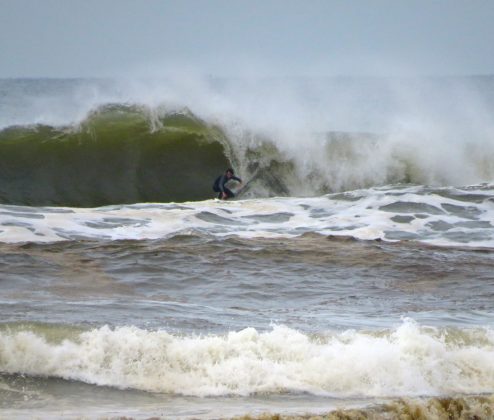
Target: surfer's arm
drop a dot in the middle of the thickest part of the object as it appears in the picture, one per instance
(222, 183)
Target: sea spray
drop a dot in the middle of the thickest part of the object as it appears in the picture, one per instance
(289, 137)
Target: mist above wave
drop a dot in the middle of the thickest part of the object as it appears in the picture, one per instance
(297, 136)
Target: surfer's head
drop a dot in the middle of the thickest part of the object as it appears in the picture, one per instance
(229, 172)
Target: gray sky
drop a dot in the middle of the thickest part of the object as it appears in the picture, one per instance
(70, 38)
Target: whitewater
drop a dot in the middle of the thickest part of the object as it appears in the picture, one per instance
(353, 273)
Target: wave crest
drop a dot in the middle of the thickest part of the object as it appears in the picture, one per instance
(124, 153)
(118, 154)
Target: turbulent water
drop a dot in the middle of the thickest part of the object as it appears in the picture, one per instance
(352, 273)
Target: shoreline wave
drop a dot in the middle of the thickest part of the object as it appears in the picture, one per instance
(408, 361)
(440, 408)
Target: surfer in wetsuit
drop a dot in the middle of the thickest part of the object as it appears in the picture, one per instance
(219, 184)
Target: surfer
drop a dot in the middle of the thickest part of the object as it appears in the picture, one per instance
(220, 182)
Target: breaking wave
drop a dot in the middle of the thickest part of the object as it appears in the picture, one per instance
(118, 154)
(408, 361)
(163, 143)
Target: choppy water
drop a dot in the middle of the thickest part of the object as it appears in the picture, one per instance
(302, 296)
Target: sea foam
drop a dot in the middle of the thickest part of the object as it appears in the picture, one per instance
(438, 216)
(407, 361)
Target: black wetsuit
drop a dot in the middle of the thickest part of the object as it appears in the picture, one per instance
(219, 186)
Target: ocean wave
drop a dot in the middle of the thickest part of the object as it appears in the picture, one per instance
(117, 154)
(129, 153)
(408, 361)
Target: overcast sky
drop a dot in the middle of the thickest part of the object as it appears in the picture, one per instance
(70, 38)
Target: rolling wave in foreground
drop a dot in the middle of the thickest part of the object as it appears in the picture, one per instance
(409, 360)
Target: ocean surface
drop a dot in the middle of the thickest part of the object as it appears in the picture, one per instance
(353, 273)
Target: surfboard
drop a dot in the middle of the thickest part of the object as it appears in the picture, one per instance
(245, 187)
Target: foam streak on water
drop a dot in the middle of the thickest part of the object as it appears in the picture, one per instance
(442, 216)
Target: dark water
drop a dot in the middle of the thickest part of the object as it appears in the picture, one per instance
(114, 156)
(197, 284)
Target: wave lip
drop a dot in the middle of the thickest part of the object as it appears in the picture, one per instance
(408, 361)
(123, 153)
